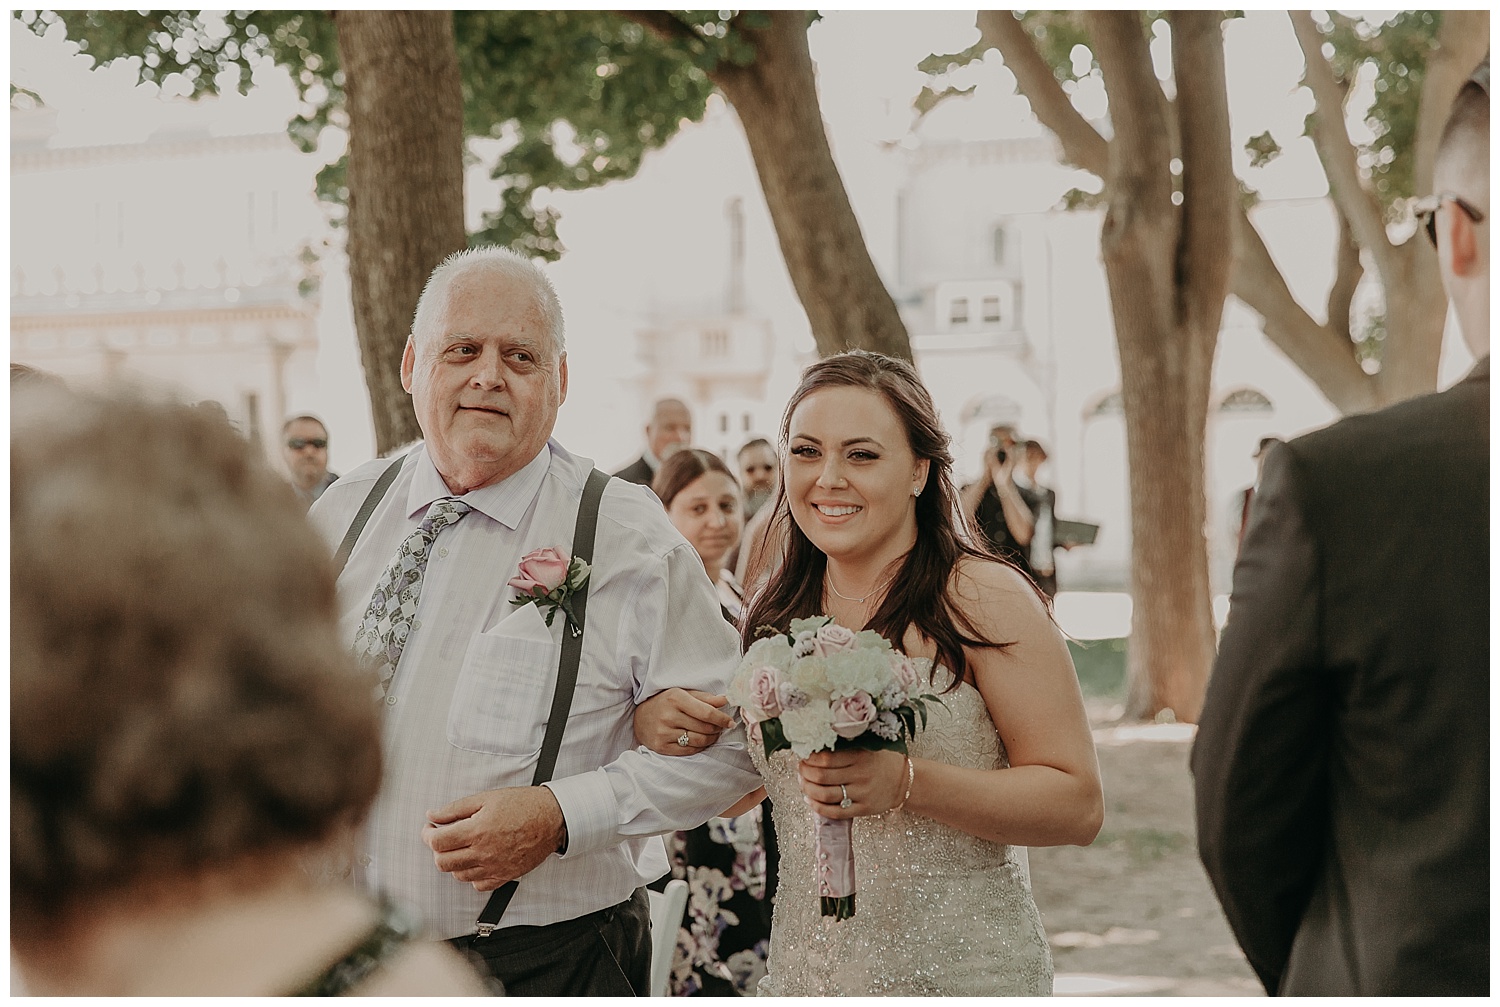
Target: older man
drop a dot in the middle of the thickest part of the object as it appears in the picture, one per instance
(304, 449)
(759, 468)
(469, 673)
(670, 428)
(1342, 760)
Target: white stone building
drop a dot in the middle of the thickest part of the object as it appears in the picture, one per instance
(182, 261)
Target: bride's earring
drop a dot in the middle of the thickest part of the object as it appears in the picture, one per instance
(916, 491)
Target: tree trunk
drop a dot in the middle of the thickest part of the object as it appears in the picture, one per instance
(1416, 311)
(406, 187)
(1171, 624)
(776, 98)
(1168, 271)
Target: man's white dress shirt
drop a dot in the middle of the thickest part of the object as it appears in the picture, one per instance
(468, 704)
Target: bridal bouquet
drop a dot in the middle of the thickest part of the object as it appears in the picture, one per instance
(819, 687)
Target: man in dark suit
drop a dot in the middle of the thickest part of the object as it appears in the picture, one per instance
(1342, 760)
(670, 428)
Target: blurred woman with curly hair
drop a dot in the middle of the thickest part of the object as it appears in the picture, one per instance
(187, 734)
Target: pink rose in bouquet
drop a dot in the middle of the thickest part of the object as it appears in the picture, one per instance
(907, 675)
(832, 638)
(852, 714)
(541, 568)
(764, 690)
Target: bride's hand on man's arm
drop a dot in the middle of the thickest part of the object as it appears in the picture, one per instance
(662, 720)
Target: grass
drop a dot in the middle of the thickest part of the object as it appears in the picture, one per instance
(1101, 667)
(1144, 845)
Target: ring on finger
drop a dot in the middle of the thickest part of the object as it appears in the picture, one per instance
(683, 740)
(846, 802)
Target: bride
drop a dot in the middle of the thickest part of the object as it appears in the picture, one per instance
(874, 539)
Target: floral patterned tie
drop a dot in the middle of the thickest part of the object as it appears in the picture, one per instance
(382, 633)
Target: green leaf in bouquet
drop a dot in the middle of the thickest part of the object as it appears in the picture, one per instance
(803, 625)
(773, 736)
(871, 742)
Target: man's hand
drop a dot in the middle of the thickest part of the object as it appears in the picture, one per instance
(495, 836)
(999, 469)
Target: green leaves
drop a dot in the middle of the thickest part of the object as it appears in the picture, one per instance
(773, 736)
(1396, 53)
(1263, 149)
(574, 98)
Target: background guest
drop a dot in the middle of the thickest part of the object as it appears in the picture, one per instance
(186, 729)
(1044, 502)
(1002, 511)
(729, 863)
(703, 502)
(758, 472)
(304, 448)
(1246, 496)
(670, 429)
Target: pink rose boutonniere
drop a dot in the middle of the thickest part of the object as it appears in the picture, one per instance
(549, 579)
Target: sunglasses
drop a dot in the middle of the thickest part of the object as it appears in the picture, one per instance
(1426, 210)
(298, 443)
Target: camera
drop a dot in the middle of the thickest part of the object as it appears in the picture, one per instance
(997, 448)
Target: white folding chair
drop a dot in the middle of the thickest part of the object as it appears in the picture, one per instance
(666, 916)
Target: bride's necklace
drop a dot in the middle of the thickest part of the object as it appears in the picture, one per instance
(828, 579)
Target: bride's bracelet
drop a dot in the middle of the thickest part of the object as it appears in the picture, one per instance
(911, 776)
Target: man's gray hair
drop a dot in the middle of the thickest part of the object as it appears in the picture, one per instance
(494, 261)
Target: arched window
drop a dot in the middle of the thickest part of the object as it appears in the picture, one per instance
(1110, 405)
(1245, 400)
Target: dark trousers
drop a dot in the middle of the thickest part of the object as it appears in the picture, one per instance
(607, 953)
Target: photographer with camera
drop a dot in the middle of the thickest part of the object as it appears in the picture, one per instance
(1003, 512)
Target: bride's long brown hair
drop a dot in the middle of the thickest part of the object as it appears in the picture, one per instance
(795, 589)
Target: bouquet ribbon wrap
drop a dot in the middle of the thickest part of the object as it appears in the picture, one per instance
(834, 848)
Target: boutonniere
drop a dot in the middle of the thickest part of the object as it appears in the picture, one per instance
(549, 579)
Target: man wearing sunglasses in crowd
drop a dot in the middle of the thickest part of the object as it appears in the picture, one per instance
(1342, 757)
(304, 448)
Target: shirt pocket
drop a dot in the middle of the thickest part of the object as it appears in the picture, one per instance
(503, 695)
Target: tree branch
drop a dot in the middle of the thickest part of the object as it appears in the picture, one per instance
(1335, 150)
(1326, 357)
(667, 27)
(1463, 38)
(1140, 150)
(1081, 143)
(1208, 184)
(1347, 274)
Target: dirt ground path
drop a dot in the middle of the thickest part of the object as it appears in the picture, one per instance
(1134, 913)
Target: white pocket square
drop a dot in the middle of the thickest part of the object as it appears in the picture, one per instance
(525, 623)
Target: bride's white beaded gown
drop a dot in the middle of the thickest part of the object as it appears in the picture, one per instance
(938, 912)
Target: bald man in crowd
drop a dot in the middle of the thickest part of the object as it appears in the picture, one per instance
(670, 428)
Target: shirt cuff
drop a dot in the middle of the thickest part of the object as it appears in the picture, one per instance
(588, 807)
